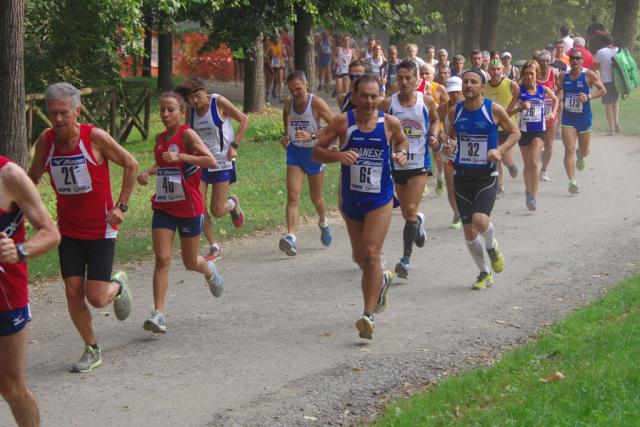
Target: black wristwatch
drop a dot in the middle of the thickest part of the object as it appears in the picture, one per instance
(234, 145)
(22, 252)
(123, 207)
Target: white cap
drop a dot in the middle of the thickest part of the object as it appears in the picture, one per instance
(454, 84)
(506, 54)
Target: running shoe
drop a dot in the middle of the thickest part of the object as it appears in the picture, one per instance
(501, 193)
(483, 281)
(326, 236)
(456, 223)
(421, 236)
(156, 323)
(122, 302)
(90, 359)
(440, 185)
(237, 216)
(544, 177)
(288, 245)
(513, 171)
(365, 326)
(573, 187)
(215, 282)
(426, 190)
(383, 299)
(580, 163)
(531, 203)
(214, 253)
(402, 268)
(497, 260)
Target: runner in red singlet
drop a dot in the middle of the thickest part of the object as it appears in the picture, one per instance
(19, 198)
(548, 77)
(177, 204)
(76, 156)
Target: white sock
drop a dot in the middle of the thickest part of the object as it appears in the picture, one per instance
(488, 236)
(477, 253)
(324, 224)
(232, 203)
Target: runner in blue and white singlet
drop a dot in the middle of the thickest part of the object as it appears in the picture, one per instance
(419, 120)
(576, 115)
(474, 124)
(369, 141)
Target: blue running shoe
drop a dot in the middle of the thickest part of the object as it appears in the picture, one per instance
(326, 236)
(288, 245)
(402, 268)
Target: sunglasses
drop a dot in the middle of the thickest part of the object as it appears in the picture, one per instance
(354, 76)
(576, 58)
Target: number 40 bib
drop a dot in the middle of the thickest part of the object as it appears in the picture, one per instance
(169, 185)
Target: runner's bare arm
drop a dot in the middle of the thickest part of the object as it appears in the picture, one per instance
(444, 95)
(434, 118)
(501, 117)
(515, 96)
(23, 192)
(284, 141)
(197, 153)
(114, 152)
(323, 110)
(231, 111)
(453, 140)
(143, 178)
(385, 105)
(323, 154)
(399, 141)
(594, 80)
(39, 157)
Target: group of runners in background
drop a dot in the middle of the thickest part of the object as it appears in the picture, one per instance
(400, 121)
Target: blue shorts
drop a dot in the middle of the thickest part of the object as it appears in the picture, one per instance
(301, 157)
(356, 211)
(212, 177)
(582, 125)
(13, 321)
(187, 227)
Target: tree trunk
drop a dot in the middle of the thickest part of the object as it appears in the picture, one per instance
(488, 33)
(165, 61)
(624, 24)
(304, 53)
(254, 78)
(148, 46)
(13, 130)
(471, 26)
(394, 39)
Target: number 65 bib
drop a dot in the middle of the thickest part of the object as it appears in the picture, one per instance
(70, 174)
(169, 185)
(473, 149)
(365, 178)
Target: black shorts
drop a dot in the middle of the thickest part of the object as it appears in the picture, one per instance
(402, 176)
(527, 138)
(475, 194)
(92, 259)
(612, 94)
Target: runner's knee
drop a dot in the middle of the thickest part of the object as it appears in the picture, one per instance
(163, 261)
(191, 264)
(218, 211)
(11, 386)
(97, 299)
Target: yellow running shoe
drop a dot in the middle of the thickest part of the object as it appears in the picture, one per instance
(483, 281)
(365, 327)
(581, 163)
(497, 260)
(440, 185)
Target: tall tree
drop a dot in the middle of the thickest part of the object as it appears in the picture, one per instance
(148, 44)
(254, 93)
(488, 29)
(303, 43)
(13, 131)
(625, 26)
(165, 60)
(471, 25)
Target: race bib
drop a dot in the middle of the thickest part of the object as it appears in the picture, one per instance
(473, 149)
(224, 164)
(572, 103)
(169, 185)
(532, 115)
(342, 69)
(275, 62)
(70, 174)
(365, 178)
(547, 107)
(416, 153)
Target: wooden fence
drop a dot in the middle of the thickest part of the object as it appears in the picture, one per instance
(117, 109)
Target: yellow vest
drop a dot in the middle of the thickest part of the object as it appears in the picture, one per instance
(500, 94)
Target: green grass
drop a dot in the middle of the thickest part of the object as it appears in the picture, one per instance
(261, 187)
(597, 348)
(629, 113)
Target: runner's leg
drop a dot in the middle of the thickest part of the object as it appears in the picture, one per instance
(220, 204)
(569, 136)
(208, 224)
(295, 177)
(78, 308)
(316, 187)
(549, 136)
(191, 259)
(162, 249)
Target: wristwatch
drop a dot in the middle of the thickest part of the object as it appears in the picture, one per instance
(234, 145)
(314, 136)
(22, 252)
(123, 207)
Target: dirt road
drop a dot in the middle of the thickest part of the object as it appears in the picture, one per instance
(280, 347)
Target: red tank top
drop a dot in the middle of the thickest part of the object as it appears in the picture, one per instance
(82, 187)
(422, 86)
(548, 103)
(177, 184)
(13, 277)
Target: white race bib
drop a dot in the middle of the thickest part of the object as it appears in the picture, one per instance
(473, 149)
(532, 115)
(275, 62)
(70, 174)
(169, 185)
(342, 69)
(416, 154)
(365, 178)
(548, 104)
(572, 103)
(224, 164)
